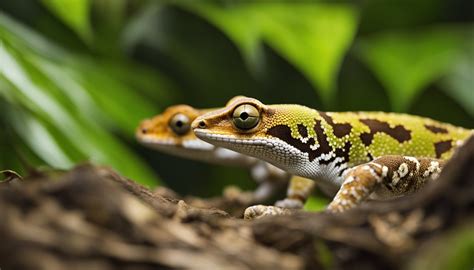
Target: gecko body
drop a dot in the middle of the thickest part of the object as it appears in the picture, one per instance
(351, 154)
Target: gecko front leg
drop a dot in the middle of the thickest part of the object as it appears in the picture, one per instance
(393, 174)
(298, 192)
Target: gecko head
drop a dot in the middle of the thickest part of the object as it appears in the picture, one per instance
(171, 131)
(250, 127)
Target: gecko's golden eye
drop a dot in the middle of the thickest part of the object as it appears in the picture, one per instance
(245, 116)
(179, 123)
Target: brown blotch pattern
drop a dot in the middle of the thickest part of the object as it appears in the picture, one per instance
(324, 147)
(370, 157)
(344, 153)
(340, 152)
(302, 130)
(436, 129)
(399, 133)
(283, 132)
(442, 147)
(340, 130)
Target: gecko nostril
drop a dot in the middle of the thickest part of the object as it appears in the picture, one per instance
(144, 130)
(202, 124)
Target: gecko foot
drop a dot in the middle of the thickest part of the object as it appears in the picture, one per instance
(258, 211)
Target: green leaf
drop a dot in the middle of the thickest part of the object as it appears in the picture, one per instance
(81, 80)
(40, 140)
(115, 98)
(407, 62)
(109, 18)
(315, 41)
(16, 33)
(65, 113)
(143, 80)
(459, 81)
(74, 13)
(85, 135)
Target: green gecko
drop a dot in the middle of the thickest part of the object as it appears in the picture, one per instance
(170, 132)
(354, 155)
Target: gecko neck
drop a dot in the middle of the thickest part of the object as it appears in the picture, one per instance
(210, 154)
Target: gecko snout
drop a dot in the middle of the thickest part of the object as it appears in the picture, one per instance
(199, 123)
(143, 128)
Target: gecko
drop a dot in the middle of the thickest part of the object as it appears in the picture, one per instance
(354, 156)
(170, 132)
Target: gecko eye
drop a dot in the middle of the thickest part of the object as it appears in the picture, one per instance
(246, 116)
(179, 123)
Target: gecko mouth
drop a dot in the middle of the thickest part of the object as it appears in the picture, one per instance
(221, 138)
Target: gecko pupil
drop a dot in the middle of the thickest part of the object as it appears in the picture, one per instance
(244, 116)
(179, 123)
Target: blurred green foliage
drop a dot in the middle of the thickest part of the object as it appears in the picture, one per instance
(452, 250)
(313, 37)
(406, 63)
(73, 13)
(76, 77)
